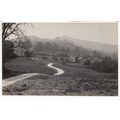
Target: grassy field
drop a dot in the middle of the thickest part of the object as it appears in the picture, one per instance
(24, 65)
(75, 80)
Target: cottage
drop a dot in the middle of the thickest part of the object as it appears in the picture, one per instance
(71, 59)
(96, 60)
(19, 51)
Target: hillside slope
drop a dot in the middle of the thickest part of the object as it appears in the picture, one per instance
(107, 48)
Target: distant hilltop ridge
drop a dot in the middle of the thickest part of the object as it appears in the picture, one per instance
(108, 48)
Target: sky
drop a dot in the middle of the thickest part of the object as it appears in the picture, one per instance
(100, 32)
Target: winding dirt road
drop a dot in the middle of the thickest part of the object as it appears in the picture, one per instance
(12, 80)
(59, 71)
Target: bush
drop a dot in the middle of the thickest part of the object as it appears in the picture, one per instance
(8, 51)
(109, 65)
(97, 66)
(28, 54)
(106, 65)
(45, 58)
(55, 58)
(87, 63)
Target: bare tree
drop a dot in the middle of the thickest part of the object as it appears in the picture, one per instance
(9, 29)
(14, 29)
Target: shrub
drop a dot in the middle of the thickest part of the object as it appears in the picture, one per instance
(28, 54)
(106, 65)
(55, 58)
(87, 63)
(45, 58)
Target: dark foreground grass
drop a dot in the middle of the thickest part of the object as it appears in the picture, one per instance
(9, 73)
(60, 85)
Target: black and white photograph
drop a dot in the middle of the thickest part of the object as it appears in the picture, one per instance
(60, 59)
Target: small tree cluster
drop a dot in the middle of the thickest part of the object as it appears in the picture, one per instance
(106, 65)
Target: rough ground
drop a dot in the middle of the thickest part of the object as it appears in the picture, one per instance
(59, 85)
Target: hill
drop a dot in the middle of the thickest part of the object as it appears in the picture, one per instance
(108, 48)
(64, 40)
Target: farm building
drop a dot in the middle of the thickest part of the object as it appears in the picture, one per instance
(19, 51)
